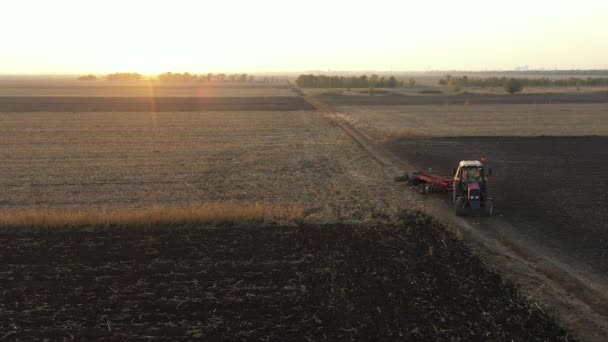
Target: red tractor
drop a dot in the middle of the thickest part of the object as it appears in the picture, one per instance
(468, 186)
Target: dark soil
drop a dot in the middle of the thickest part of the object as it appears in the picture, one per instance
(555, 189)
(149, 104)
(393, 99)
(396, 282)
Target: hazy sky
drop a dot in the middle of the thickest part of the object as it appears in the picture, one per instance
(77, 36)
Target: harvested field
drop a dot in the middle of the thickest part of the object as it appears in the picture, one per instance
(141, 159)
(536, 90)
(205, 278)
(13, 104)
(465, 99)
(554, 189)
(396, 282)
(103, 88)
(391, 122)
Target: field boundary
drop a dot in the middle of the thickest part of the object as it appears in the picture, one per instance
(466, 99)
(93, 219)
(24, 104)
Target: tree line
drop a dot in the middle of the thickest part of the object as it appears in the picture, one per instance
(363, 81)
(124, 76)
(185, 77)
(465, 81)
(209, 77)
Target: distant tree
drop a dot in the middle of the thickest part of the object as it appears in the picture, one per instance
(371, 91)
(392, 82)
(382, 82)
(187, 77)
(513, 86)
(348, 82)
(373, 80)
(362, 81)
(250, 78)
(411, 82)
(124, 76)
(164, 77)
(88, 77)
(177, 77)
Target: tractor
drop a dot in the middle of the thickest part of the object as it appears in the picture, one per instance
(469, 188)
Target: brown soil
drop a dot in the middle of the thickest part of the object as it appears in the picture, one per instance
(554, 189)
(388, 282)
(392, 99)
(149, 104)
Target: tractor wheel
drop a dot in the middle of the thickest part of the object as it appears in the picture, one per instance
(460, 206)
(488, 207)
(421, 188)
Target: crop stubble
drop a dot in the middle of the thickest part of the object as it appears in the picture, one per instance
(137, 159)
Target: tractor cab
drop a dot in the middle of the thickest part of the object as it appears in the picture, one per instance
(470, 187)
(470, 171)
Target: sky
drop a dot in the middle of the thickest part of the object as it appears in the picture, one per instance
(78, 36)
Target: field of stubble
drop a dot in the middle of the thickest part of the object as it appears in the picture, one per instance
(393, 122)
(139, 159)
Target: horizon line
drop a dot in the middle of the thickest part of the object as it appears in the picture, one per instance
(57, 74)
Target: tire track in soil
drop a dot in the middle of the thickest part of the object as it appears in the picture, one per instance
(580, 305)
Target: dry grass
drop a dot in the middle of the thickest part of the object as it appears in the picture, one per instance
(386, 122)
(157, 215)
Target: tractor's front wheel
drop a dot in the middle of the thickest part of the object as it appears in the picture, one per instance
(460, 206)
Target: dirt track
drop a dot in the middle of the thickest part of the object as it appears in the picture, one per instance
(268, 283)
(23, 104)
(382, 100)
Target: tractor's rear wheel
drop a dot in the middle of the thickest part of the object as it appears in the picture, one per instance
(488, 207)
(460, 206)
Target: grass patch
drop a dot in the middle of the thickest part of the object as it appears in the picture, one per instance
(156, 215)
